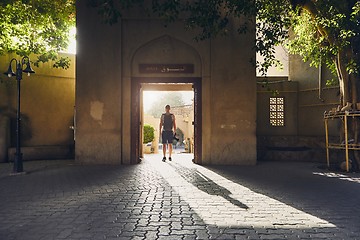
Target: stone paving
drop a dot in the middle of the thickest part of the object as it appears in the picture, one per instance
(178, 200)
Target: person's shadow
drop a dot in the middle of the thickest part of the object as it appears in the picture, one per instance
(206, 185)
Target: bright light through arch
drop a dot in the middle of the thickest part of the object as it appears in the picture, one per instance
(72, 41)
(150, 97)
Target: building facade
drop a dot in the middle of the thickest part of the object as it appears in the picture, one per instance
(238, 118)
(114, 62)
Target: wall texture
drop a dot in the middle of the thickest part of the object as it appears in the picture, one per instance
(98, 89)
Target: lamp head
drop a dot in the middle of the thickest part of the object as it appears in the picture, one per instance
(28, 68)
(10, 72)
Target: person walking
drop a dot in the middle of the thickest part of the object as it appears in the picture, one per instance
(167, 130)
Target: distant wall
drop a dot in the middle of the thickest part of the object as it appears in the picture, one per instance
(184, 123)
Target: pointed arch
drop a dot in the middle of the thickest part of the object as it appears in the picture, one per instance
(166, 50)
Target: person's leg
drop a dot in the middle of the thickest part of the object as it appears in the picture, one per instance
(164, 149)
(170, 150)
(163, 146)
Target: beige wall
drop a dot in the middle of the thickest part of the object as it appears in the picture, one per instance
(289, 91)
(303, 136)
(107, 60)
(47, 105)
(98, 89)
(233, 101)
(312, 104)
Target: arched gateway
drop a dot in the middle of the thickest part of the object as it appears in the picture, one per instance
(114, 61)
(171, 64)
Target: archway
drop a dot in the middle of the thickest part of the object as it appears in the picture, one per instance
(167, 61)
(137, 124)
(180, 97)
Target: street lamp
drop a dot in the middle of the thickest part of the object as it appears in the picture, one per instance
(18, 163)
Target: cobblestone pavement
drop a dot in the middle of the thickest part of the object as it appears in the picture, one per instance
(178, 200)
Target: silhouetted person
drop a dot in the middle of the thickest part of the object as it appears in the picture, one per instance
(167, 130)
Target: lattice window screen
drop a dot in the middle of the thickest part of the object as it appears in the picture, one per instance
(277, 112)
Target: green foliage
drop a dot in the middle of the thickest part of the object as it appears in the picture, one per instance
(272, 27)
(214, 18)
(329, 28)
(149, 133)
(321, 28)
(332, 82)
(39, 27)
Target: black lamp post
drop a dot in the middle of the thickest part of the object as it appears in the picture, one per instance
(18, 161)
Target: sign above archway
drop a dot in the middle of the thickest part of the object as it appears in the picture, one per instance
(166, 57)
(166, 68)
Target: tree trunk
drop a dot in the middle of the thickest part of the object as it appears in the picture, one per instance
(354, 79)
(349, 87)
(343, 77)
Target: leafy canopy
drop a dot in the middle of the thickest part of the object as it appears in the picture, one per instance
(326, 30)
(321, 28)
(212, 18)
(39, 27)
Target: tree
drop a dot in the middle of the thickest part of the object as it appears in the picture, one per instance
(328, 31)
(39, 27)
(149, 133)
(172, 98)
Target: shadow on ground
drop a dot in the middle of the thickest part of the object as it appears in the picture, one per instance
(62, 200)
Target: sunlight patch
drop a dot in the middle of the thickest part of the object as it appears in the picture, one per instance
(224, 203)
(339, 176)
